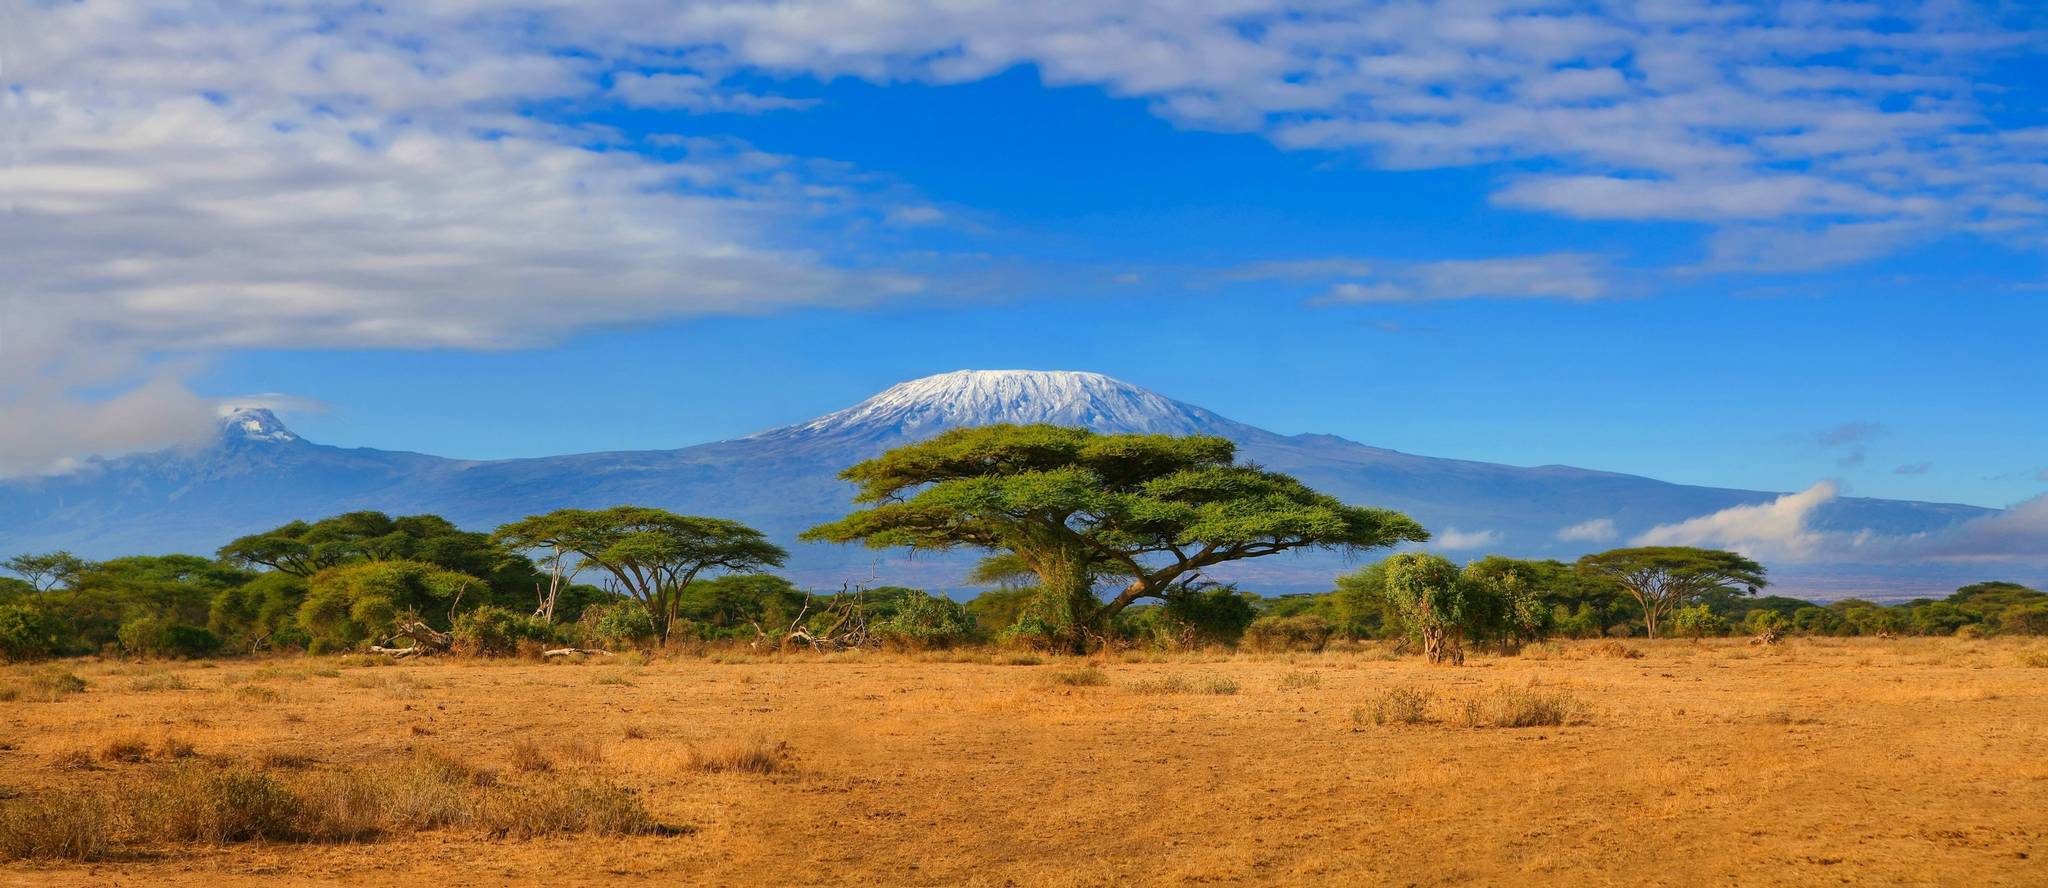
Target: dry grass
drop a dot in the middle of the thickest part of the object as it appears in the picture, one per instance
(1824, 761)
(749, 755)
(1080, 677)
(1176, 683)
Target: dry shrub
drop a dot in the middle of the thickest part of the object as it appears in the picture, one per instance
(9, 694)
(173, 748)
(363, 660)
(1221, 685)
(581, 750)
(53, 683)
(595, 808)
(1084, 676)
(56, 826)
(1397, 706)
(283, 760)
(215, 806)
(1544, 650)
(72, 760)
(1022, 660)
(2036, 660)
(526, 755)
(1510, 707)
(612, 678)
(635, 732)
(1614, 650)
(1300, 680)
(129, 750)
(159, 681)
(751, 755)
(257, 694)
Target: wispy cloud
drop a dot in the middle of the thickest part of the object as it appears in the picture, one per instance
(1917, 468)
(1564, 276)
(1849, 440)
(1597, 530)
(1454, 539)
(1787, 529)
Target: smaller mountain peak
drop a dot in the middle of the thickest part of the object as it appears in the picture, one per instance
(253, 424)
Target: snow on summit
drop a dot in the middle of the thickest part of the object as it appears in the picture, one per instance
(925, 406)
(253, 424)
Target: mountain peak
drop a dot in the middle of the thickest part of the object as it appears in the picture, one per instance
(924, 407)
(253, 424)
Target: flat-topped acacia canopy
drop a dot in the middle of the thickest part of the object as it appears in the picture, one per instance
(1074, 506)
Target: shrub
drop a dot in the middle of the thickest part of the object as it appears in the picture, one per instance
(595, 808)
(158, 681)
(1298, 680)
(621, 624)
(1507, 707)
(153, 636)
(58, 826)
(1615, 650)
(1180, 684)
(751, 755)
(26, 634)
(129, 750)
(491, 631)
(199, 803)
(923, 621)
(1085, 676)
(52, 683)
(1397, 706)
(1304, 632)
(527, 756)
(1699, 620)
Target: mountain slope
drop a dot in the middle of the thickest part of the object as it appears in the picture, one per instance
(258, 474)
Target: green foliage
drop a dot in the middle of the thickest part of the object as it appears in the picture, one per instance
(1664, 578)
(347, 606)
(1430, 594)
(1505, 602)
(262, 614)
(1074, 506)
(1202, 616)
(617, 624)
(922, 622)
(650, 555)
(1304, 632)
(1698, 621)
(26, 634)
(492, 631)
(730, 606)
(46, 571)
(155, 636)
(997, 610)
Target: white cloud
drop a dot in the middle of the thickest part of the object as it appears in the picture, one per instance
(1454, 539)
(1785, 529)
(695, 92)
(1597, 530)
(1777, 529)
(1568, 276)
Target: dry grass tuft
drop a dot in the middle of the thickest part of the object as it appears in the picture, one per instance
(284, 760)
(126, 750)
(1614, 650)
(56, 826)
(612, 678)
(257, 694)
(1300, 680)
(1511, 707)
(1078, 677)
(1397, 706)
(2036, 659)
(204, 804)
(51, 684)
(73, 760)
(593, 808)
(159, 681)
(527, 756)
(1022, 660)
(1221, 685)
(751, 755)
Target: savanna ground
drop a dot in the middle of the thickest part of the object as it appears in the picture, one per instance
(1838, 761)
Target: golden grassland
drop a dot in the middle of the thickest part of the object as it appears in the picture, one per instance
(1836, 761)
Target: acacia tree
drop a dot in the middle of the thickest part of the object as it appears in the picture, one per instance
(648, 554)
(1074, 507)
(47, 571)
(1662, 578)
(1430, 594)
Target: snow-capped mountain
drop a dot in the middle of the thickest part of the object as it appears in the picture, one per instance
(924, 407)
(259, 474)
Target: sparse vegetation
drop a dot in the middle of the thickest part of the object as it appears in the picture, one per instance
(1515, 707)
(1396, 706)
(749, 755)
(1078, 677)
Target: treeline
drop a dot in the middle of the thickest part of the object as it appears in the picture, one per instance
(632, 577)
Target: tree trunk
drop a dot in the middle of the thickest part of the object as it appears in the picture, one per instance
(1066, 599)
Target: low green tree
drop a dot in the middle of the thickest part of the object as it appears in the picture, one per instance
(1430, 594)
(353, 604)
(1664, 578)
(1075, 507)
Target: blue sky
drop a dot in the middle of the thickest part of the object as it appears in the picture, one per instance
(1723, 243)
